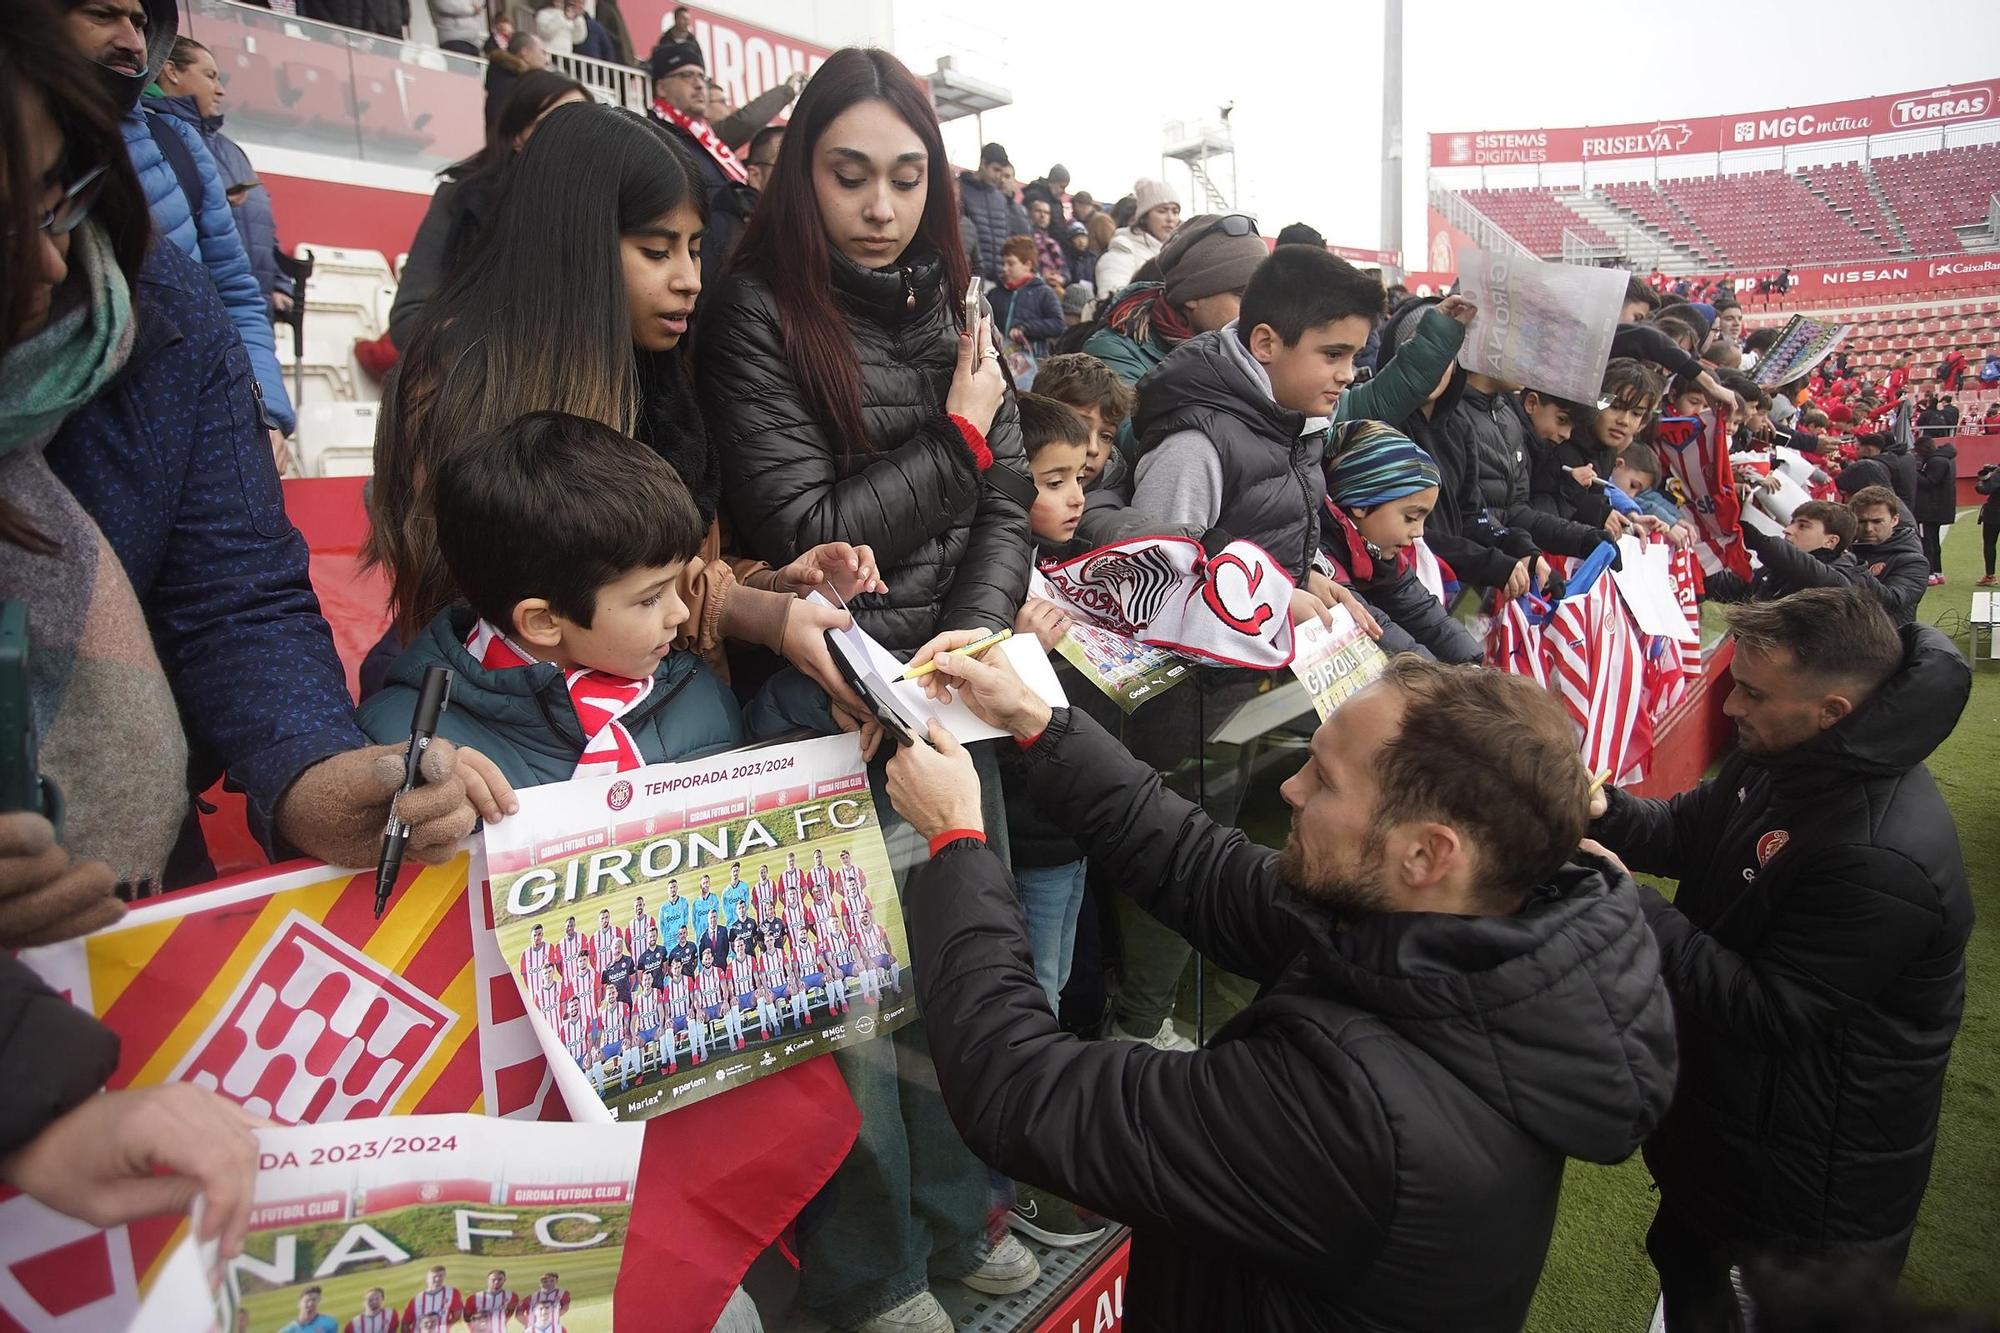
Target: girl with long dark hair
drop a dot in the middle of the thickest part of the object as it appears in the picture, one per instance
(851, 402)
(468, 192)
(584, 287)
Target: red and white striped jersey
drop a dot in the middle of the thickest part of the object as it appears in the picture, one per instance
(820, 881)
(853, 891)
(791, 881)
(679, 993)
(605, 946)
(642, 932)
(445, 1303)
(569, 946)
(771, 970)
(612, 1019)
(709, 987)
(580, 975)
(765, 894)
(839, 949)
(541, 1296)
(879, 945)
(534, 958)
(488, 1311)
(383, 1320)
(808, 957)
(796, 915)
(645, 1007)
(742, 978)
(575, 1036)
(548, 993)
(1694, 455)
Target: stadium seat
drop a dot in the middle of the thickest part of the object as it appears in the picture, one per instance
(336, 439)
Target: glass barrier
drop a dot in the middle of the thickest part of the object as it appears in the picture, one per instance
(315, 87)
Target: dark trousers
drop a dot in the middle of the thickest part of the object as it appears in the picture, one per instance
(1989, 533)
(1694, 1278)
(1933, 541)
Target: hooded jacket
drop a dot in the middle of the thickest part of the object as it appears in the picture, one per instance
(1412, 619)
(174, 465)
(1785, 569)
(1124, 257)
(1898, 569)
(985, 208)
(1266, 458)
(207, 235)
(256, 224)
(1902, 466)
(1937, 486)
(1459, 532)
(1376, 1143)
(1492, 431)
(952, 546)
(522, 717)
(1815, 951)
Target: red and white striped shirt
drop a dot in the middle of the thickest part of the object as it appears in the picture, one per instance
(541, 1296)
(839, 950)
(580, 975)
(642, 933)
(709, 988)
(534, 958)
(569, 946)
(383, 1320)
(741, 978)
(680, 996)
(445, 1303)
(771, 970)
(548, 993)
(612, 1016)
(488, 1311)
(765, 894)
(853, 891)
(606, 945)
(809, 958)
(795, 916)
(645, 1008)
(791, 881)
(819, 879)
(575, 1035)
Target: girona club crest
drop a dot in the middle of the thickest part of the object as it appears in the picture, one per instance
(317, 1031)
(620, 795)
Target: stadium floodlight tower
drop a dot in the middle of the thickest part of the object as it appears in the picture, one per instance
(1198, 143)
(956, 96)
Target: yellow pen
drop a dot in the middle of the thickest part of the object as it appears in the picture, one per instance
(976, 646)
(1597, 783)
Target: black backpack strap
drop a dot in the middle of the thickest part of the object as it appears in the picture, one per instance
(175, 150)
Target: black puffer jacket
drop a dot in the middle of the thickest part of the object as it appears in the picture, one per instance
(1902, 466)
(53, 1055)
(1898, 569)
(1937, 487)
(952, 547)
(1491, 430)
(1815, 951)
(1376, 1143)
(988, 215)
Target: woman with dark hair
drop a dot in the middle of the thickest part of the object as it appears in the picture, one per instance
(850, 402)
(467, 194)
(170, 614)
(585, 282)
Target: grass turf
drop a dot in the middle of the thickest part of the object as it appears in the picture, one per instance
(1598, 1279)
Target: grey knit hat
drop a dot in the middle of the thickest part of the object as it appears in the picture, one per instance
(1202, 259)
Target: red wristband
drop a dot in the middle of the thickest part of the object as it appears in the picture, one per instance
(952, 835)
(975, 442)
(1029, 743)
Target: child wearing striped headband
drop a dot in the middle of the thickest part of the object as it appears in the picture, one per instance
(1380, 488)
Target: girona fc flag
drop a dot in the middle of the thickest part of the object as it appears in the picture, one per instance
(1694, 454)
(283, 991)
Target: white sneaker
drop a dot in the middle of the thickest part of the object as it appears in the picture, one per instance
(919, 1314)
(1168, 1038)
(1010, 1268)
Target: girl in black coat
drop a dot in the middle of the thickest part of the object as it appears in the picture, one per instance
(850, 402)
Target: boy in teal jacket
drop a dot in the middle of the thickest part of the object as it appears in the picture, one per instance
(567, 541)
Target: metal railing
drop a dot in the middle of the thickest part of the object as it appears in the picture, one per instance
(610, 83)
(1487, 234)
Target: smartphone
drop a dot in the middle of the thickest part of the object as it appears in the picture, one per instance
(20, 771)
(975, 306)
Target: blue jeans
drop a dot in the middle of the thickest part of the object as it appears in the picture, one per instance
(1051, 898)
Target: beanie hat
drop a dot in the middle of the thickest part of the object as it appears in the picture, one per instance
(993, 153)
(1149, 195)
(1376, 464)
(1076, 298)
(668, 57)
(1199, 260)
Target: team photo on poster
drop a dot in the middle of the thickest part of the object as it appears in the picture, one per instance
(686, 927)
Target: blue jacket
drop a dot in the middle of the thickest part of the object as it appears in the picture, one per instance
(211, 238)
(256, 224)
(174, 465)
(522, 719)
(985, 210)
(1032, 308)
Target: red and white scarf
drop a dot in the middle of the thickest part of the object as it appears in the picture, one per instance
(707, 138)
(598, 697)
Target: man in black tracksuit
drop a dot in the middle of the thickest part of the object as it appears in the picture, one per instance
(1815, 950)
(1453, 1001)
(1890, 554)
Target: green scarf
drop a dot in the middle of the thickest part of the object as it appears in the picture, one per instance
(81, 349)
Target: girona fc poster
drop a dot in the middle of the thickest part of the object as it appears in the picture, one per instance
(683, 930)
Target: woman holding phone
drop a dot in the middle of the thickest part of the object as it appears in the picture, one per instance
(855, 394)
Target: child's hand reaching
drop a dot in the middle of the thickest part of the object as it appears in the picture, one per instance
(849, 569)
(1045, 620)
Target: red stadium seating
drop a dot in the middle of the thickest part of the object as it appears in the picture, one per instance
(1933, 192)
(1768, 217)
(1648, 205)
(1535, 218)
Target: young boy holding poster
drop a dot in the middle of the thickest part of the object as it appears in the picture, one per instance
(567, 540)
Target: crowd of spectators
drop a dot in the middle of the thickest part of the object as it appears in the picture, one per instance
(661, 376)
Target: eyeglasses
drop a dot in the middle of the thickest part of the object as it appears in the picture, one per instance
(74, 206)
